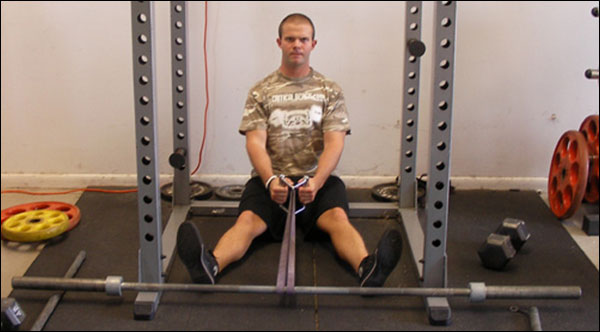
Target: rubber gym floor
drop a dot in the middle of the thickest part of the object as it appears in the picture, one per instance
(108, 233)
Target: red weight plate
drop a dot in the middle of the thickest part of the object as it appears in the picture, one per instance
(589, 129)
(568, 174)
(591, 190)
(71, 210)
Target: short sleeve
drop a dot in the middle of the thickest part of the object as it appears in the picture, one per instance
(335, 117)
(255, 117)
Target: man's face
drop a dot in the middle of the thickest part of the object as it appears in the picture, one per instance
(296, 43)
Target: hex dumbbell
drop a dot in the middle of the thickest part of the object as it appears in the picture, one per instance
(502, 245)
(12, 314)
(516, 230)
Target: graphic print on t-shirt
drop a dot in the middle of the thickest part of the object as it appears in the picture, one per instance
(296, 119)
(295, 114)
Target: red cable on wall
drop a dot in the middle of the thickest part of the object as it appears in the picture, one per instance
(135, 189)
(206, 89)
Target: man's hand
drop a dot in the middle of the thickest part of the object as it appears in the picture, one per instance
(308, 192)
(279, 190)
(333, 146)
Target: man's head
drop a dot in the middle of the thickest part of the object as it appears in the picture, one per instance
(296, 40)
(295, 18)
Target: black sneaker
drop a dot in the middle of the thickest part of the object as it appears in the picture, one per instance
(375, 268)
(200, 263)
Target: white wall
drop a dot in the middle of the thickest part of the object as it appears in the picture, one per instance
(67, 91)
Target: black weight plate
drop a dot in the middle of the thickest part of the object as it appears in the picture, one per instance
(388, 192)
(230, 192)
(385, 192)
(198, 191)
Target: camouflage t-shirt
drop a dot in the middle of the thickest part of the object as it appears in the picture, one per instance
(295, 113)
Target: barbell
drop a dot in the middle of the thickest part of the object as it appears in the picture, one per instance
(477, 291)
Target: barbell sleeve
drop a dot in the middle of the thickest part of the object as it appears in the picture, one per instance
(533, 292)
(477, 292)
(67, 284)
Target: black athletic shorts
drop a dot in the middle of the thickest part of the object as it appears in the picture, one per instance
(257, 199)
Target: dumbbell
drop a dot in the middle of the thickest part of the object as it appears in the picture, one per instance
(12, 314)
(502, 245)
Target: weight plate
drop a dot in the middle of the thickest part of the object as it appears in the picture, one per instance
(231, 192)
(589, 129)
(388, 192)
(72, 211)
(33, 226)
(591, 189)
(385, 192)
(568, 174)
(198, 191)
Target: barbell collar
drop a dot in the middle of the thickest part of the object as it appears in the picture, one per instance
(478, 291)
(113, 285)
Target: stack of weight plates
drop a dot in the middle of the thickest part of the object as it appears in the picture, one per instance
(33, 222)
(574, 167)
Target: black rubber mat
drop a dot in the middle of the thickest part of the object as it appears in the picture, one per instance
(549, 258)
(108, 232)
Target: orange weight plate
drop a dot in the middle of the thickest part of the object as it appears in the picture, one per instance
(72, 211)
(589, 129)
(568, 174)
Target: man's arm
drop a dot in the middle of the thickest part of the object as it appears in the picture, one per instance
(332, 151)
(256, 145)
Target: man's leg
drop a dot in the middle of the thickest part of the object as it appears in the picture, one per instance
(372, 269)
(235, 242)
(202, 264)
(346, 240)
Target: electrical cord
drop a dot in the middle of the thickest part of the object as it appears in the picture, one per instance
(206, 89)
(125, 191)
